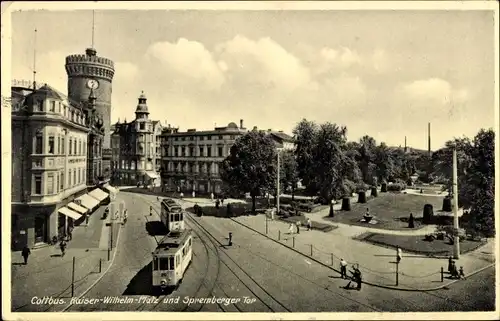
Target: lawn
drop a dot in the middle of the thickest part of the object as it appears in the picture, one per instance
(417, 244)
(390, 210)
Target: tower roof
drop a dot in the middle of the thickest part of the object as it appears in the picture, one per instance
(142, 106)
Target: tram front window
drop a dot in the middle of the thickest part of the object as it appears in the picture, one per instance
(166, 263)
(177, 218)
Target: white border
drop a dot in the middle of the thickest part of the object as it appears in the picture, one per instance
(7, 8)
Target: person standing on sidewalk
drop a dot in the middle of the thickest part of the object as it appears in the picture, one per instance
(399, 255)
(297, 224)
(212, 197)
(182, 195)
(194, 194)
(62, 245)
(343, 269)
(25, 253)
(309, 224)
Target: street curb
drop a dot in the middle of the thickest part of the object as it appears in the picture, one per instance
(368, 283)
(102, 274)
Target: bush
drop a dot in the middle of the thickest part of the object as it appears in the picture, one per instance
(396, 187)
(346, 204)
(307, 207)
(446, 204)
(348, 187)
(362, 197)
(361, 187)
(383, 188)
(428, 214)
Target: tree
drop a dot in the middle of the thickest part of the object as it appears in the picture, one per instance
(288, 171)
(366, 158)
(305, 133)
(384, 163)
(478, 187)
(251, 165)
(332, 166)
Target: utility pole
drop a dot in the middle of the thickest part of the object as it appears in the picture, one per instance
(456, 241)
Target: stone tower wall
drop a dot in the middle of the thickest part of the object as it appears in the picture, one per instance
(81, 68)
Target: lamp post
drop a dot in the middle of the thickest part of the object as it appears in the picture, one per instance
(278, 182)
(456, 241)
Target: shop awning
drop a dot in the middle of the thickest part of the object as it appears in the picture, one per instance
(66, 211)
(77, 208)
(111, 189)
(152, 175)
(99, 194)
(88, 201)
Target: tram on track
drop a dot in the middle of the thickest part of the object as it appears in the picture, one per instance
(174, 252)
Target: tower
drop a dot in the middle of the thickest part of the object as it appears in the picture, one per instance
(91, 72)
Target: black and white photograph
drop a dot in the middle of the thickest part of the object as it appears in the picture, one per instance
(272, 160)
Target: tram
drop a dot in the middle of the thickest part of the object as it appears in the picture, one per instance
(172, 215)
(174, 253)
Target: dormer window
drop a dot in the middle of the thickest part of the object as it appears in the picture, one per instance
(52, 106)
(39, 105)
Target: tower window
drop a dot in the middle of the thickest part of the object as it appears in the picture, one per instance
(39, 144)
(142, 126)
(38, 184)
(51, 145)
(52, 106)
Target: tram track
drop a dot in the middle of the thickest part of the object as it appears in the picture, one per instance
(213, 240)
(217, 252)
(209, 287)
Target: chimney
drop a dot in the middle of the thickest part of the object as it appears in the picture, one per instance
(429, 138)
(241, 123)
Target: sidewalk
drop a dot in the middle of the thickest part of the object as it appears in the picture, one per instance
(416, 272)
(49, 274)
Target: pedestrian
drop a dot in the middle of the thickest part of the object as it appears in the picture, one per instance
(411, 221)
(25, 253)
(343, 268)
(193, 194)
(399, 255)
(309, 224)
(354, 277)
(86, 219)
(62, 246)
(290, 229)
(212, 196)
(217, 203)
(297, 224)
(70, 233)
(450, 264)
(359, 279)
(182, 195)
(462, 274)
(230, 239)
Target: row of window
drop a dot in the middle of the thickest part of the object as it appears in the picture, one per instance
(182, 151)
(75, 146)
(193, 168)
(58, 107)
(55, 181)
(209, 137)
(133, 165)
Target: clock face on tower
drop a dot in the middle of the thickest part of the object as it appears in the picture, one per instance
(92, 84)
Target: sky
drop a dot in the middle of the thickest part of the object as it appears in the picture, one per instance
(386, 74)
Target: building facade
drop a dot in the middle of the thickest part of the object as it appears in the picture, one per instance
(136, 149)
(90, 72)
(191, 159)
(49, 155)
(95, 143)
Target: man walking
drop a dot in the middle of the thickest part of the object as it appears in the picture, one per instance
(399, 255)
(62, 246)
(343, 268)
(309, 224)
(25, 253)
